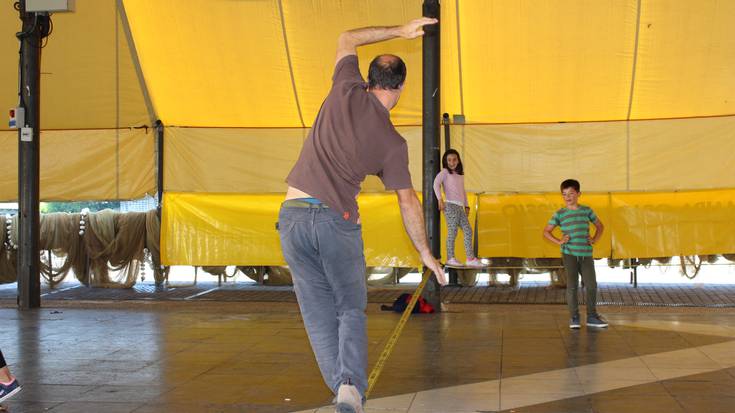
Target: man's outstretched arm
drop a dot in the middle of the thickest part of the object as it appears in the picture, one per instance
(348, 41)
(413, 221)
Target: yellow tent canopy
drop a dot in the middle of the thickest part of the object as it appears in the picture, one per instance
(625, 95)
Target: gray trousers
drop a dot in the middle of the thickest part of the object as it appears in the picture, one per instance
(325, 255)
(586, 267)
(456, 216)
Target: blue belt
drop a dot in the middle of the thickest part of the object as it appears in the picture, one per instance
(304, 203)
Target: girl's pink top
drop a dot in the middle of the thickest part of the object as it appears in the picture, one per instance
(453, 187)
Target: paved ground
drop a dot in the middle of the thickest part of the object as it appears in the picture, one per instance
(197, 356)
(528, 293)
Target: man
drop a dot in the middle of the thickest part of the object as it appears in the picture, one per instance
(319, 223)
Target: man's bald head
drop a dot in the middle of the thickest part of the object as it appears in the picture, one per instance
(386, 71)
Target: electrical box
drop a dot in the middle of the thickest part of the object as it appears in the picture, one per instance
(17, 118)
(459, 119)
(49, 6)
(26, 134)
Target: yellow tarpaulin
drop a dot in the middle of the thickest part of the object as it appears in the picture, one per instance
(666, 224)
(686, 55)
(88, 80)
(229, 229)
(502, 61)
(312, 49)
(242, 79)
(242, 160)
(660, 155)
(386, 242)
(682, 154)
(214, 229)
(230, 160)
(637, 225)
(258, 64)
(511, 225)
(85, 165)
(542, 61)
(604, 156)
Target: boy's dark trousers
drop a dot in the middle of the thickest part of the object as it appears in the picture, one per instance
(586, 267)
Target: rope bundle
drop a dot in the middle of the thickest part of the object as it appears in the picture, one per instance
(92, 245)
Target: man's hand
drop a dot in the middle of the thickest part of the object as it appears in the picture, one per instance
(441, 205)
(348, 41)
(413, 221)
(415, 28)
(431, 263)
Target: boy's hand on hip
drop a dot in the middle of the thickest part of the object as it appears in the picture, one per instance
(564, 239)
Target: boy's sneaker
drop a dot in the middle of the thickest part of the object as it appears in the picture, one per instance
(474, 263)
(574, 322)
(348, 400)
(8, 390)
(595, 320)
(452, 262)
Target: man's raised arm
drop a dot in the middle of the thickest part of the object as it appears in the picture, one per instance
(348, 41)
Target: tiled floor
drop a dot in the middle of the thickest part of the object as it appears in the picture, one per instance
(181, 356)
(675, 295)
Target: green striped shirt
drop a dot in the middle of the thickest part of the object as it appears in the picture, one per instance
(576, 224)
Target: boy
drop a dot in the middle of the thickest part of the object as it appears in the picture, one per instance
(576, 249)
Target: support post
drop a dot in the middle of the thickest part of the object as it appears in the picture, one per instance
(35, 28)
(430, 122)
(447, 137)
(159, 164)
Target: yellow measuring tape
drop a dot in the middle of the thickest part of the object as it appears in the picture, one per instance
(378, 368)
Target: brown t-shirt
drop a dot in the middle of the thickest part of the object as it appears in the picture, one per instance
(352, 137)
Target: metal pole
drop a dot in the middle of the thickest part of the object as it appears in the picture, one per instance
(159, 163)
(451, 272)
(158, 126)
(634, 261)
(430, 110)
(447, 137)
(35, 28)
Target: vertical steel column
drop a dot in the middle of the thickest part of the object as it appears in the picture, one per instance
(447, 135)
(159, 163)
(430, 122)
(158, 127)
(35, 28)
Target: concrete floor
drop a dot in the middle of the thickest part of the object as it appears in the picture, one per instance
(254, 357)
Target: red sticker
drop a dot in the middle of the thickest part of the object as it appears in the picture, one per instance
(346, 215)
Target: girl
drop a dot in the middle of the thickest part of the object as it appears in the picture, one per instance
(456, 208)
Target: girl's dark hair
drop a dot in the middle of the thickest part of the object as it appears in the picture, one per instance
(459, 170)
